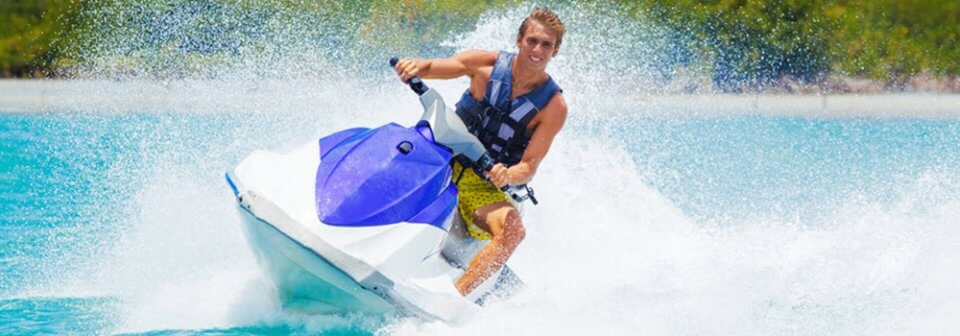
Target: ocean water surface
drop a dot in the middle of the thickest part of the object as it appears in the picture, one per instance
(121, 223)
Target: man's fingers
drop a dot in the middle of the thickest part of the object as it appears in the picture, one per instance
(406, 69)
(497, 175)
(401, 67)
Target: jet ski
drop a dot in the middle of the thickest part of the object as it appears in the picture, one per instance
(365, 219)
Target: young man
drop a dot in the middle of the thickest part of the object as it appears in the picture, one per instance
(515, 109)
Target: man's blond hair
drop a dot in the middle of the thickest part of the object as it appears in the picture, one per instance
(547, 18)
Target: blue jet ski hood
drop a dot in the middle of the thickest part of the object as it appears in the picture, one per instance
(384, 175)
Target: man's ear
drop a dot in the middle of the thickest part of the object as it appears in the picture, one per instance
(555, 51)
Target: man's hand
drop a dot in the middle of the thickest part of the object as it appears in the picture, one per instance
(499, 175)
(408, 68)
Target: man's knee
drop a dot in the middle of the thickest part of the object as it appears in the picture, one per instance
(503, 222)
(513, 231)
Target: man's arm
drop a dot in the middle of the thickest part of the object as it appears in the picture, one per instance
(463, 63)
(554, 116)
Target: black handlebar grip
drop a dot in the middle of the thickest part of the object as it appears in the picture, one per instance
(486, 163)
(416, 84)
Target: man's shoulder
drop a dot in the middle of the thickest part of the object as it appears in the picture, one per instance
(558, 101)
(556, 107)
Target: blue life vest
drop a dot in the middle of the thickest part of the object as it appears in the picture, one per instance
(499, 122)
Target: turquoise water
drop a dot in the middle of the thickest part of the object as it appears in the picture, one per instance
(789, 166)
(67, 181)
(72, 188)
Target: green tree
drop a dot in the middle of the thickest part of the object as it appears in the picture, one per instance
(28, 34)
(751, 44)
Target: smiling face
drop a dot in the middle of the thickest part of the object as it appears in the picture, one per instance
(536, 46)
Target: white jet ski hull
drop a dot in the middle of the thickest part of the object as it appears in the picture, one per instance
(324, 268)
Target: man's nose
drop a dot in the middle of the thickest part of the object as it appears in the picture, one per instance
(538, 47)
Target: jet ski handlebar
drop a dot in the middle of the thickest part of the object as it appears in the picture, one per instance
(416, 84)
(519, 193)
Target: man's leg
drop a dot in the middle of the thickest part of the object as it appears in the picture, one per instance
(502, 220)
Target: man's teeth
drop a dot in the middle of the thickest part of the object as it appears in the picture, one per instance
(535, 59)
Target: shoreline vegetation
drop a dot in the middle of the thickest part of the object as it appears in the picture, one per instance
(780, 47)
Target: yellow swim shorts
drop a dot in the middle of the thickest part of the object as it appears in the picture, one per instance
(474, 193)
